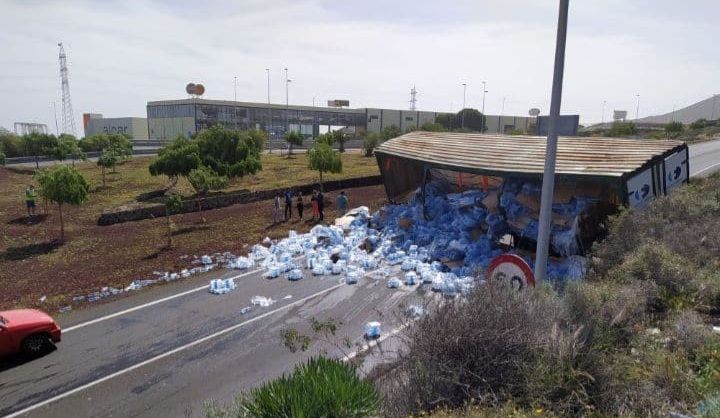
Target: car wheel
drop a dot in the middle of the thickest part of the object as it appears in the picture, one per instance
(35, 344)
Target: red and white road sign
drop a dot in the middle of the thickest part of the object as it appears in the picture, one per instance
(512, 268)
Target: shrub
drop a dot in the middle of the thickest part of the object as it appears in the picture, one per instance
(320, 387)
(2, 158)
(371, 142)
(497, 345)
(11, 145)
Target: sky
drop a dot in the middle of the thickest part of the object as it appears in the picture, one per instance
(123, 54)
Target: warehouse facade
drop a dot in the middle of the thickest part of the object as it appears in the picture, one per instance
(169, 118)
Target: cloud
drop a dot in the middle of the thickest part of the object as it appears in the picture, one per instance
(123, 54)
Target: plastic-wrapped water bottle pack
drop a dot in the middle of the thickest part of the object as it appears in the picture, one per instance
(221, 286)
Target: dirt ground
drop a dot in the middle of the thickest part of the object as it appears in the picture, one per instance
(34, 264)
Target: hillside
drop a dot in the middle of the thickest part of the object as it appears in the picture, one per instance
(705, 109)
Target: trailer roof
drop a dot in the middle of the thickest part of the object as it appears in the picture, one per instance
(576, 156)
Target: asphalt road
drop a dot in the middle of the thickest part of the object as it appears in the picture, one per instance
(704, 158)
(157, 359)
(164, 351)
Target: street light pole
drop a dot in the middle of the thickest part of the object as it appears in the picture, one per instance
(602, 118)
(57, 129)
(637, 109)
(235, 87)
(483, 107)
(548, 184)
(287, 102)
(267, 70)
(502, 113)
(462, 118)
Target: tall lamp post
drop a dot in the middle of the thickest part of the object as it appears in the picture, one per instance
(483, 106)
(548, 184)
(267, 70)
(500, 121)
(235, 87)
(637, 109)
(602, 118)
(287, 102)
(462, 117)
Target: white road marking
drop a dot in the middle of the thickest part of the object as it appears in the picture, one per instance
(374, 343)
(146, 305)
(704, 169)
(167, 354)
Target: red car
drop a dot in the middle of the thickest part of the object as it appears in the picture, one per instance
(27, 331)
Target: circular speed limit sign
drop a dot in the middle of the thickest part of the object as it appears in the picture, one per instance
(513, 269)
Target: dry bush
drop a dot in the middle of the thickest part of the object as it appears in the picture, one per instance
(492, 347)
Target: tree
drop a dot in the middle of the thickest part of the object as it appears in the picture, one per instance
(63, 185)
(339, 138)
(473, 120)
(108, 159)
(67, 146)
(326, 138)
(173, 204)
(324, 159)
(11, 145)
(390, 132)
(2, 158)
(178, 158)
(622, 129)
(432, 127)
(372, 140)
(36, 144)
(119, 143)
(230, 153)
(447, 120)
(203, 180)
(293, 138)
(674, 128)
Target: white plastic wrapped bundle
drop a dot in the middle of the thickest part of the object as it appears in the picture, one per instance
(206, 260)
(339, 267)
(372, 330)
(261, 301)
(352, 277)
(428, 276)
(221, 286)
(393, 283)
(408, 264)
(273, 271)
(295, 274)
(437, 283)
(242, 263)
(416, 311)
(396, 257)
(411, 279)
(259, 252)
(318, 269)
(185, 273)
(448, 288)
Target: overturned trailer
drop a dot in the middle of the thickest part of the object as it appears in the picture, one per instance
(594, 176)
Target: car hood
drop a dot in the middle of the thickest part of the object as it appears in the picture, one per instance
(24, 317)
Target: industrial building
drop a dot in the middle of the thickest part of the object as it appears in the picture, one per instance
(95, 123)
(24, 128)
(169, 118)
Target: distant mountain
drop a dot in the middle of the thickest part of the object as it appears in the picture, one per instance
(705, 109)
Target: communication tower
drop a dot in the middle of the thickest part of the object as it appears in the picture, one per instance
(413, 98)
(68, 117)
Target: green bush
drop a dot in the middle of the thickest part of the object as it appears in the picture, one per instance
(2, 158)
(11, 145)
(371, 142)
(321, 387)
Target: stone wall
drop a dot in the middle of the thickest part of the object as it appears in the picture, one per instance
(137, 213)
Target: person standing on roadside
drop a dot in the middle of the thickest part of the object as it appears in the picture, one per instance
(321, 205)
(288, 204)
(300, 205)
(342, 203)
(30, 200)
(314, 204)
(276, 208)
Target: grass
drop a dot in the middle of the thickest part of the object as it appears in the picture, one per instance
(133, 178)
(31, 266)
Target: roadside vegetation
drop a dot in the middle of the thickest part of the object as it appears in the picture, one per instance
(635, 339)
(700, 130)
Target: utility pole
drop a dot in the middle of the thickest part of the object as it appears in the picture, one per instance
(483, 107)
(287, 102)
(462, 117)
(267, 70)
(68, 116)
(712, 114)
(502, 113)
(57, 129)
(548, 184)
(637, 109)
(235, 87)
(602, 118)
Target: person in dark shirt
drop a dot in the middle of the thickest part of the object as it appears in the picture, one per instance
(321, 205)
(288, 204)
(300, 205)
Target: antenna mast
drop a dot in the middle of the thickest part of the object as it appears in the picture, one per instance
(68, 117)
(413, 98)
